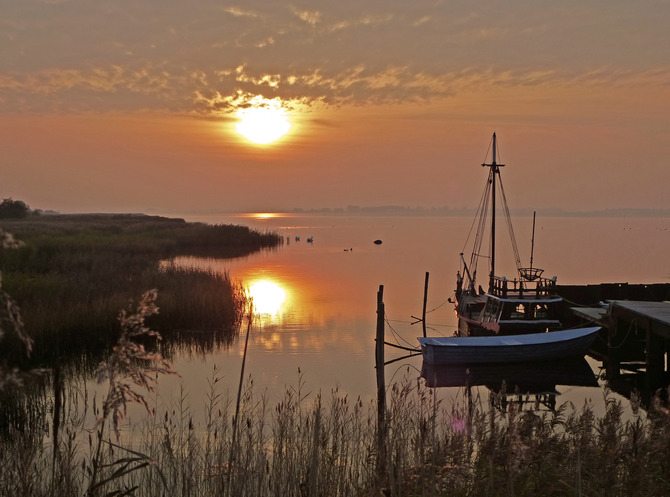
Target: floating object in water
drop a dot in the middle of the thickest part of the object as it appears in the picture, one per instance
(310, 239)
(297, 238)
(377, 242)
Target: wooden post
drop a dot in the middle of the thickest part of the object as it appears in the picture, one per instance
(612, 366)
(425, 299)
(655, 358)
(381, 389)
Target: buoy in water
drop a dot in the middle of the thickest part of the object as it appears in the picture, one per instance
(378, 242)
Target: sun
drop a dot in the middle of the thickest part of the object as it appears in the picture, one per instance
(263, 123)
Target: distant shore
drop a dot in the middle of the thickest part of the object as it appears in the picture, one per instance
(405, 211)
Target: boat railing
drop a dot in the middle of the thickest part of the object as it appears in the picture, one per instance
(539, 287)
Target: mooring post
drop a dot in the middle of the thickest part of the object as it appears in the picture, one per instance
(381, 389)
(425, 299)
(655, 357)
(613, 364)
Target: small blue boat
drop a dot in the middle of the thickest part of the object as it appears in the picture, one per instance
(532, 347)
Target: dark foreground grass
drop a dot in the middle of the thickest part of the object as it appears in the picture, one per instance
(326, 446)
(73, 273)
(61, 439)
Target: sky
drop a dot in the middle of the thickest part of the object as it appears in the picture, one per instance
(133, 105)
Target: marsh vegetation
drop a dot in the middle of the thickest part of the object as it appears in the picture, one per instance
(72, 274)
(325, 445)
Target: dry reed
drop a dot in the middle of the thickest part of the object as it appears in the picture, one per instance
(326, 446)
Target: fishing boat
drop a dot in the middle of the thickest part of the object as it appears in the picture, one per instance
(512, 319)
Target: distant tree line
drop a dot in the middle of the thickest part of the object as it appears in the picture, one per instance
(15, 209)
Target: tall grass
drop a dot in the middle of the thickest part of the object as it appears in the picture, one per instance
(72, 274)
(325, 445)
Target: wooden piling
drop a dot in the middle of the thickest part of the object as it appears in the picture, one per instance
(425, 300)
(381, 390)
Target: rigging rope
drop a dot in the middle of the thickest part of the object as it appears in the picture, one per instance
(482, 216)
(510, 228)
(482, 209)
(395, 333)
(439, 305)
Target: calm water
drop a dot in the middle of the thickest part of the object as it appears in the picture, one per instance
(318, 300)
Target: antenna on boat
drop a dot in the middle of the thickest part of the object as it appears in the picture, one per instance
(531, 273)
(532, 242)
(492, 178)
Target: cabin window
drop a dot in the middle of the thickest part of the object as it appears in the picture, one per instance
(541, 311)
(519, 312)
(491, 310)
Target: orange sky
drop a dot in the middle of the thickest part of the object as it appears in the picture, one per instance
(131, 106)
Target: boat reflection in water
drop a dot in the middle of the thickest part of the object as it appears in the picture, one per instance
(525, 383)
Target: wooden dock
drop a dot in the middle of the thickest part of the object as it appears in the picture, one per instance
(634, 342)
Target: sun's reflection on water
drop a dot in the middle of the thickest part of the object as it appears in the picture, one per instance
(268, 298)
(262, 215)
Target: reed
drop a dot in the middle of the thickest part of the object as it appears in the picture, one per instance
(325, 445)
(72, 273)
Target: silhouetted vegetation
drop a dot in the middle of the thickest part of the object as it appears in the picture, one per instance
(14, 209)
(72, 273)
(327, 446)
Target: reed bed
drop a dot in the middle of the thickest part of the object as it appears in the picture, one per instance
(72, 273)
(325, 445)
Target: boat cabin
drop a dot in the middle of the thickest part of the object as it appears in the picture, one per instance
(517, 306)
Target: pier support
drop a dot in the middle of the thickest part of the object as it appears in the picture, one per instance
(425, 299)
(382, 428)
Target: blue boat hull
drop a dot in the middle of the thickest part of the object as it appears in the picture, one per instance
(509, 348)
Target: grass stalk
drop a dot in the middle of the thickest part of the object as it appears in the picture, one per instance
(233, 444)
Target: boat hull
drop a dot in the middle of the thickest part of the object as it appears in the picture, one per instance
(509, 348)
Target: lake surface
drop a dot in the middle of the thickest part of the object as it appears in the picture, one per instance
(318, 299)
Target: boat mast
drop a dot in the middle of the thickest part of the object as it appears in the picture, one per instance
(492, 178)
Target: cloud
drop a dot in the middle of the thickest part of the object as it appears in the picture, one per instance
(240, 12)
(366, 20)
(421, 21)
(311, 17)
(223, 106)
(199, 90)
(269, 80)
